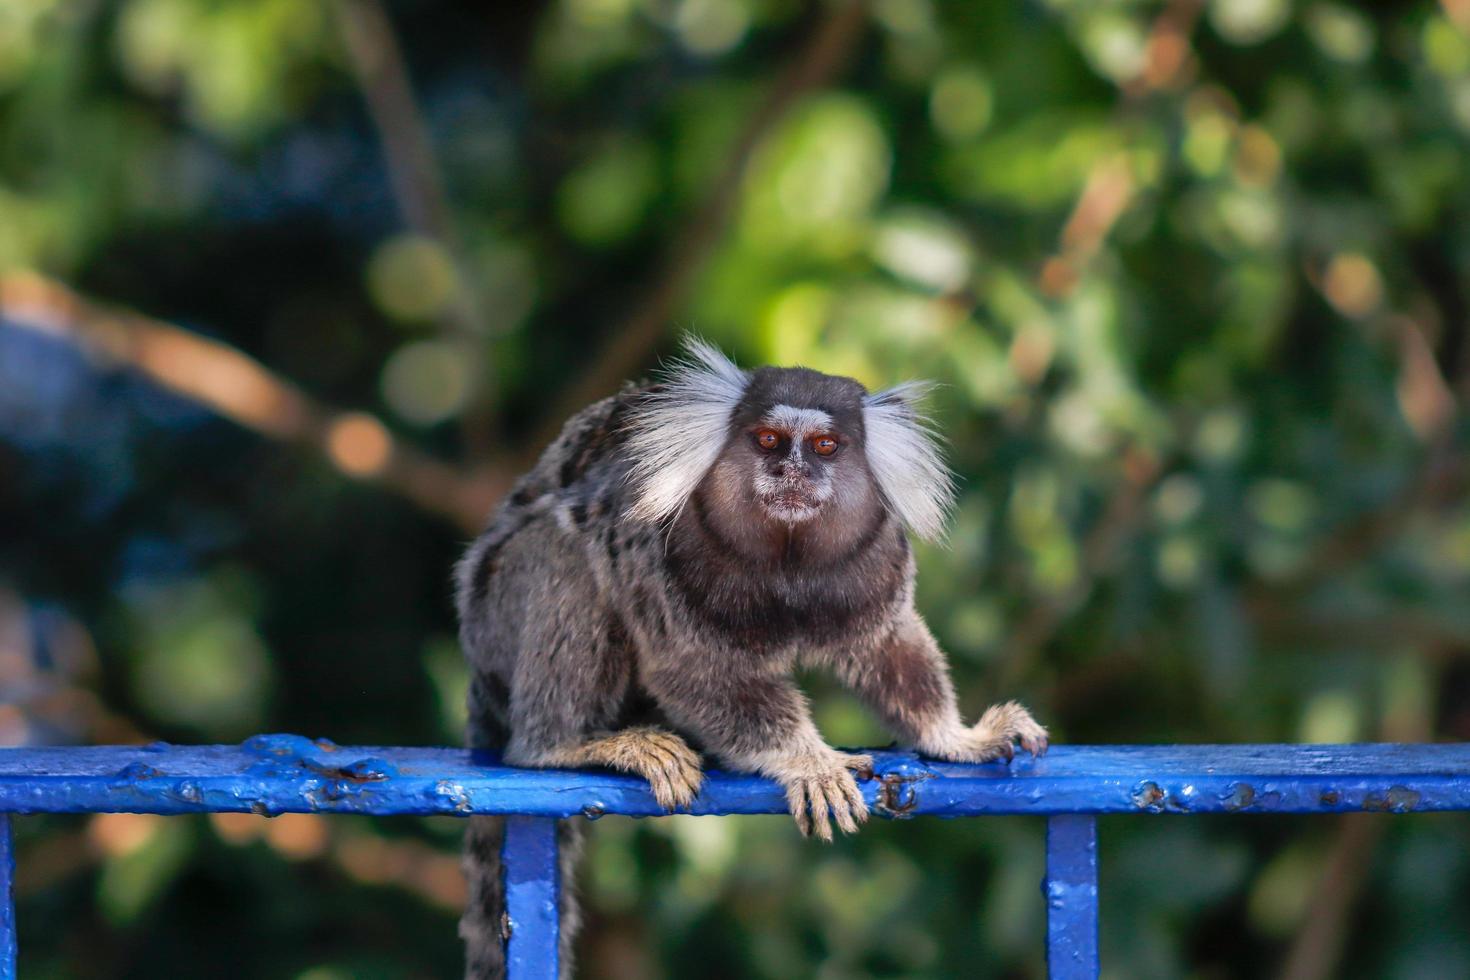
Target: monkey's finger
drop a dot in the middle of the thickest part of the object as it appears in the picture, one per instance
(821, 824)
(834, 790)
(669, 765)
(796, 802)
(860, 764)
(686, 783)
(820, 808)
(854, 799)
(662, 792)
(843, 811)
(681, 750)
(675, 790)
(657, 753)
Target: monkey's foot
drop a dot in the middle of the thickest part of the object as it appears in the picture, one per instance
(994, 736)
(823, 785)
(663, 758)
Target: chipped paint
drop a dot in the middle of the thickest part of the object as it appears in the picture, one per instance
(1398, 799)
(1148, 796)
(898, 796)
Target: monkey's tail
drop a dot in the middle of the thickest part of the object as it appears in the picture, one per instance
(484, 926)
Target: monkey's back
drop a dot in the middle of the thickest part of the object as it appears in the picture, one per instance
(543, 558)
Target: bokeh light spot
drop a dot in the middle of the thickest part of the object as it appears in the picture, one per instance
(1115, 45)
(427, 382)
(412, 278)
(1284, 505)
(201, 664)
(961, 103)
(359, 444)
(121, 834)
(924, 249)
(297, 836)
(1446, 50)
(238, 828)
(818, 176)
(1248, 21)
(605, 200)
(1352, 285)
(711, 27)
(1341, 33)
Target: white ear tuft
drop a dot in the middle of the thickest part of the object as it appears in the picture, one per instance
(903, 453)
(678, 431)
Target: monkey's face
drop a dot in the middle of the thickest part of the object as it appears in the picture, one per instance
(795, 450)
(792, 454)
(783, 463)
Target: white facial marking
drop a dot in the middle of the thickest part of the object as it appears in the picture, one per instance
(800, 423)
(677, 436)
(800, 495)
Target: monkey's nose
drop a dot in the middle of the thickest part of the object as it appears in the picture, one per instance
(790, 468)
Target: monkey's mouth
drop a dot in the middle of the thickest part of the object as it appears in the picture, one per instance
(792, 505)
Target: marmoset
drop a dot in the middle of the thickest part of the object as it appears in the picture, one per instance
(642, 597)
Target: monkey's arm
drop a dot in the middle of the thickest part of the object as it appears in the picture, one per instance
(905, 679)
(755, 719)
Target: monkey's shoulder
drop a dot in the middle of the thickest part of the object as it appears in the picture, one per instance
(588, 445)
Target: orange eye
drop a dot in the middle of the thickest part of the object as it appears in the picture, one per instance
(767, 439)
(824, 445)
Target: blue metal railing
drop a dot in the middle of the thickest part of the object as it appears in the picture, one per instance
(272, 774)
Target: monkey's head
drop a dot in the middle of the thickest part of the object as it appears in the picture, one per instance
(790, 447)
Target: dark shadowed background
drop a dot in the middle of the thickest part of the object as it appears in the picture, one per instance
(291, 289)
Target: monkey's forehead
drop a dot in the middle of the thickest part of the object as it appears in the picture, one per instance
(839, 398)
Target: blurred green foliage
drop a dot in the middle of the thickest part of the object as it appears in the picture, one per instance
(1193, 278)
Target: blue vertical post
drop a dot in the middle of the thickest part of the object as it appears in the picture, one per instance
(7, 901)
(532, 898)
(1071, 896)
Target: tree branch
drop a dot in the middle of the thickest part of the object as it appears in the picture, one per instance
(235, 385)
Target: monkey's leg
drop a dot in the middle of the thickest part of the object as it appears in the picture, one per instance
(905, 679)
(572, 669)
(760, 723)
(548, 665)
(663, 758)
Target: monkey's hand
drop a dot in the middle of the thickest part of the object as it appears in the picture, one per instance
(661, 757)
(993, 737)
(668, 763)
(821, 785)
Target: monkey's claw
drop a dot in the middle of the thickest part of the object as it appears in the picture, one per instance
(994, 736)
(1004, 725)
